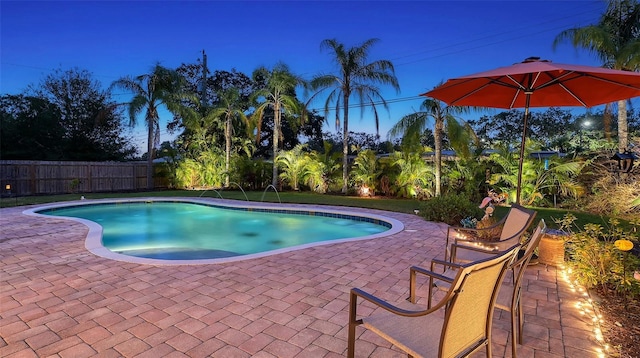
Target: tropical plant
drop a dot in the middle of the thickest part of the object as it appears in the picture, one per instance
(316, 174)
(230, 108)
(506, 177)
(553, 176)
(615, 40)
(212, 173)
(187, 173)
(365, 172)
(467, 175)
(355, 77)
(414, 176)
(294, 165)
(323, 168)
(170, 160)
(250, 173)
(150, 91)
(277, 95)
(442, 115)
(559, 177)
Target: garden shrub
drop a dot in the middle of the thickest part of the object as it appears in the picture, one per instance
(449, 209)
(597, 259)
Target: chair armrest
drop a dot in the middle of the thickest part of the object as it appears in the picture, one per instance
(445, 264)
(415, 270)
(356, 292)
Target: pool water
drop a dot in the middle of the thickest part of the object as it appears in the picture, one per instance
(183, 231)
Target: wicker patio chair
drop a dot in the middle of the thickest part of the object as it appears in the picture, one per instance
(510, 296)
(500, 236)
(458, 325)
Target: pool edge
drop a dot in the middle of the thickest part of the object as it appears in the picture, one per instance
(93, 241)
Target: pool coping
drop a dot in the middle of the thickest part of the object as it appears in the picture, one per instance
(93, 241)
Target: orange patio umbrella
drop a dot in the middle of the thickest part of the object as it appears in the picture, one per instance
(538, 83)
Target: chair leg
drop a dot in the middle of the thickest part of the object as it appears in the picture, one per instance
(446, 247)
(516, 323)
(351, 343)
(520, 322)
(514, 335)
(351, 339)
(412, 286)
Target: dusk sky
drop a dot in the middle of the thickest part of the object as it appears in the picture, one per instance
(428, 41)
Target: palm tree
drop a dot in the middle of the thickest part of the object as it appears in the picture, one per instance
(615, 40)
(442, 115)
(278, 95)
(355, 77)
(150, 91)
(230, 109)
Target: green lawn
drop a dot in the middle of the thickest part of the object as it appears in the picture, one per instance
(397, 205)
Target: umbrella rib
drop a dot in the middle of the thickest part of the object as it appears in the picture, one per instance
(469, 93)
(558, 81)
(491, 81)
(518, 84)
(613, 82)
(555, 80)
(572, 94)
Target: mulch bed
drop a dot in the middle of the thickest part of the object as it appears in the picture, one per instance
(620, 323)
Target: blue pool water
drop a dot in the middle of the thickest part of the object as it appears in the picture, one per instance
(186, 231)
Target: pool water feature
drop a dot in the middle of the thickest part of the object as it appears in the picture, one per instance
(158, 231)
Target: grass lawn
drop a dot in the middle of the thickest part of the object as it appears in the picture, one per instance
(397, 205)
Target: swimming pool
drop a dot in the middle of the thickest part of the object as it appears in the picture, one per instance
(197, 231)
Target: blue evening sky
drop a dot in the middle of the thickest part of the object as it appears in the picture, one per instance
(428, 41)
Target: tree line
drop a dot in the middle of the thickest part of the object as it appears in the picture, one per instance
(229, 120)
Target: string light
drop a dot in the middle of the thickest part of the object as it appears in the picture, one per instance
(586, 307)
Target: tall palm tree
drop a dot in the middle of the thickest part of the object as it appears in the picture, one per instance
(615, 40)
(277, 95)
(441, 115)
(357, 77)
(150, 91)
(229, 107)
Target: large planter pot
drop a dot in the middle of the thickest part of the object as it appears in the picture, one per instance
(551, 248)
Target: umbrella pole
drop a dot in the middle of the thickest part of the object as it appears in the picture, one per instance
(522, 145)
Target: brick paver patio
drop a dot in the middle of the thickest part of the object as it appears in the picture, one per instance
(58, 299)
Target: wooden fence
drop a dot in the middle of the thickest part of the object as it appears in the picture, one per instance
(57, 177)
